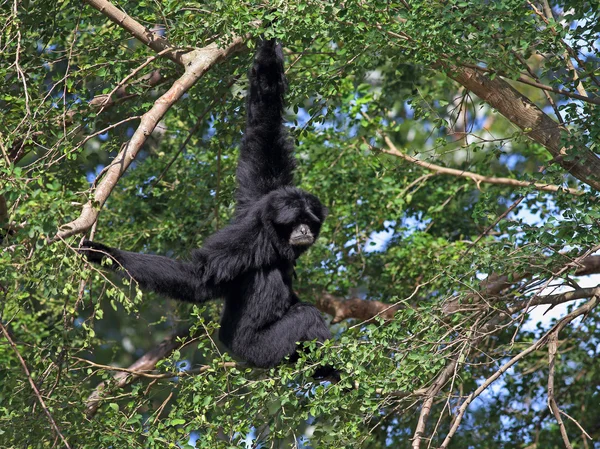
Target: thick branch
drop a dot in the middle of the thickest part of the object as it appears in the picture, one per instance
(495, 284)
(536, 83)
(362, 309)
(559, 298)
(139, 31)
(582, 163)
(198, 62)
(365, 310)
(589, 265)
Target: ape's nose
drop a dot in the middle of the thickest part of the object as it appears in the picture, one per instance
(304, 229)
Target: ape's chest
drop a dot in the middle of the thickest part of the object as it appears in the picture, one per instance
(261, 297)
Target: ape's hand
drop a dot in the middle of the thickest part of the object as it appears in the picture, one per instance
(267, 76)
(95, 252)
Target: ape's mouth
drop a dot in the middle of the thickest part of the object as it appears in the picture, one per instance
(301, 240)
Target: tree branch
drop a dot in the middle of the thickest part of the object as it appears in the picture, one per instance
(495, 284)
(147, 374)
(582, 163)
(552, 350)
(553, 300)
(589, 265)
(432, 392)
(536, 83)
(364, 310)
(157, 43)
(341, 309)
(582, 310)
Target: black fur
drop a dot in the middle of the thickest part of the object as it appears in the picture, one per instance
(250, 262)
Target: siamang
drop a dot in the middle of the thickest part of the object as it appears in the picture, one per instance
(250, 262)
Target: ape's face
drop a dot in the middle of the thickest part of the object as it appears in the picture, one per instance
(302, 235)
(296, 216)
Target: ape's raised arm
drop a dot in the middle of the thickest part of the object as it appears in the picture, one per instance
(266, 155)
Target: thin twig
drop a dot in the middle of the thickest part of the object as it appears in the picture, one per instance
(162, 406)
(34, 387)
(496, 221)
(583, 431)
(475, 177)
(107, 100)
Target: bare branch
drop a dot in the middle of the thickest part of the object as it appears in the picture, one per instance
(556, 299)
(582, 310)
(495, 284)
(552, 349)
(147, 374)
(432, 392)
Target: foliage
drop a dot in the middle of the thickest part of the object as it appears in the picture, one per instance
(398, 233)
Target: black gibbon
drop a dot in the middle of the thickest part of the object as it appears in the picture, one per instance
(250, 262)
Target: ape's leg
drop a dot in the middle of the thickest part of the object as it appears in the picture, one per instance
(173, 278)
(268, 347)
